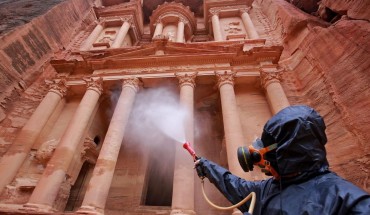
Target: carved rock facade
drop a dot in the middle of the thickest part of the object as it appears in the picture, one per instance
(77, 143)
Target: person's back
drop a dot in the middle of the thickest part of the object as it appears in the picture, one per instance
(303, 183)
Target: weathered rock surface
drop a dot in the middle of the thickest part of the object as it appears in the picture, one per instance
(14, 13)
(24, 51)
(353, 9)
(328, 68)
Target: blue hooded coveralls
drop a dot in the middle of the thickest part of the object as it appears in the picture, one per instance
(299, 132)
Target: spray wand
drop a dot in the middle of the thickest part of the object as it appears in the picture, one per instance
(191, 151)
(252, 195)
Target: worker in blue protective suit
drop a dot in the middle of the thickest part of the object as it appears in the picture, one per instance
(292, 150)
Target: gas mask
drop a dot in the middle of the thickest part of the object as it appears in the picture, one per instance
(255, 155)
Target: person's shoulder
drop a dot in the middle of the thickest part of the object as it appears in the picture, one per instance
(342, 187)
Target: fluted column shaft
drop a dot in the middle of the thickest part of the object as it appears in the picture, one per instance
(180, 32)
(13, 159)
(158, 29)
(100, 182)
(54, 174)
(249, 26)
(117, 43)
(183, 181)
(92, 37)
(276, 96)
(216, 27)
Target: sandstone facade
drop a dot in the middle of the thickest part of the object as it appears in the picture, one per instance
(76, 83)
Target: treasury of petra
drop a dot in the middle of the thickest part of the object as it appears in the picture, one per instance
(97, 96)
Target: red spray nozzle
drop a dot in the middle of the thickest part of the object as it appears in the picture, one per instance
(191, 151)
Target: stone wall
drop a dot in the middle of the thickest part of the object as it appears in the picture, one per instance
(25, 50)
(327, 67)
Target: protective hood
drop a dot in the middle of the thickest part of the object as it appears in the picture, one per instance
(299, 132)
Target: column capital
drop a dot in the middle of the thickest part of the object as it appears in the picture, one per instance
(244, 10)
(270, 75)
(158, 21)
(94, 84)
(183, 20)
(214, 11)
(186, 79)
(58, 86)
(226, 77)
(100, 21)
(133, 83)
(128, 19)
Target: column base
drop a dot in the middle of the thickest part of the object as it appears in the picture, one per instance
(90, 210)
(40, 208)
(182, 212)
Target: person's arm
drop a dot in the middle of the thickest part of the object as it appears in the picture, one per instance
(232, 187)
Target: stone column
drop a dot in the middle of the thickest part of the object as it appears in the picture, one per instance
(180, 31)
(100, 182)
(232, 125)
(183, 180)
(248, 24)
(158, 29)
(55, 173)
(121, 34)
(92, 37)
(216, 27)
(13, 159)
(270, 80)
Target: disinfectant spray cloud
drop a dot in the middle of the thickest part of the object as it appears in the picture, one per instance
(158, 109)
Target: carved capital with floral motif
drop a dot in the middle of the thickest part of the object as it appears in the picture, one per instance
(94, 84)
(214, 11)
(269, 76)
(133, 83)
(225, 78)
(59, 87)
(186, 79)
(127, 19)
(244, 10)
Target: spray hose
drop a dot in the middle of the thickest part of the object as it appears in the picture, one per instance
(251, 195)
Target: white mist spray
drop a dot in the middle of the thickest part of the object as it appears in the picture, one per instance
(159, 109)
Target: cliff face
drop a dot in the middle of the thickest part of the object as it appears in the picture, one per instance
(24, 51)
(327, 67)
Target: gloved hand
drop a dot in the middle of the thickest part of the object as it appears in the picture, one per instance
(199, 168)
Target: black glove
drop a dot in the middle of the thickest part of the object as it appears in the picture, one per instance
(199, 168)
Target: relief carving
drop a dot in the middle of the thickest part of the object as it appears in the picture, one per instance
(89, 151)
(233, 28)
(45, 151)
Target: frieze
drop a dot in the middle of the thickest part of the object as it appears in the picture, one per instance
(217, 10)
(226, 77)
